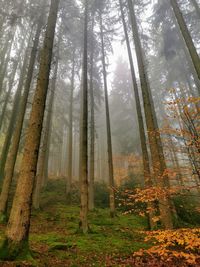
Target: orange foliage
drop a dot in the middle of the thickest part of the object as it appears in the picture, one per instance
(183, 244)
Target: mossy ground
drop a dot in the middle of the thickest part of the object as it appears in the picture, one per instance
(55, 241)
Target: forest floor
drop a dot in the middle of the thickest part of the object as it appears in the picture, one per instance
(56, 242)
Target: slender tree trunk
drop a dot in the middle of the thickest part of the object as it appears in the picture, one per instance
(143, 141)
(70, 136)
(22, 76)
(44, 146)
(92, 125)
(5, 58)
(15, 109)
(187, 37)
(8, 94)
(46, 162)
(109, 140)
(84, 133)
(16, 241)
(11, 159)
(158, 161)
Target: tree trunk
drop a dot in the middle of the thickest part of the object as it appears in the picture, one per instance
(84, 133)
(143, 141)
(109, 140)
(16, 242)
(187, 37)
(8, 94)
(92, 125)
(15, 109)
(5, 59)
(44, 146)
(158, 161)
(70, 136)
(11, 159)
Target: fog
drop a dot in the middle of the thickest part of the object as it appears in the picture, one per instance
(99, 109)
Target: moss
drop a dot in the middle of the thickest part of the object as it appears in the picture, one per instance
(61, 246)
(11, 250)
(49, 238)
(3, 218)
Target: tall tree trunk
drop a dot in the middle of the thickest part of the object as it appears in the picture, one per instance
(187, 37)
(44, 145)
(22, 76)
(143, 141)
(157, 155)
(46, 161)
(108, 127)
(5, 58)
(92, 124)
(11, 159)
(70, 135)
(16, 241)
(8, 94)
(84, 133)
(15, 109)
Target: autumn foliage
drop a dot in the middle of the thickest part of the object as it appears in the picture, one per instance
(173, 246)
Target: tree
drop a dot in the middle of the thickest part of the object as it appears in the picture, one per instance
(16, 240)
(44, 144)
(92, 122)
(157, 155)
(70, 132)
(143, 141)
(14, 113)
(12, 156)
(108, 126)
(84, 131)
(187, 37)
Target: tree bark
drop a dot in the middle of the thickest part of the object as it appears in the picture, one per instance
(16, 241)
(108, 127)
(84, 133)
(44, 146)
(92, 125)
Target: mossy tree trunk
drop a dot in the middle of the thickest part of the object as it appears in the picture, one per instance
(16, 241)
(157, 155)
(108, 127)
